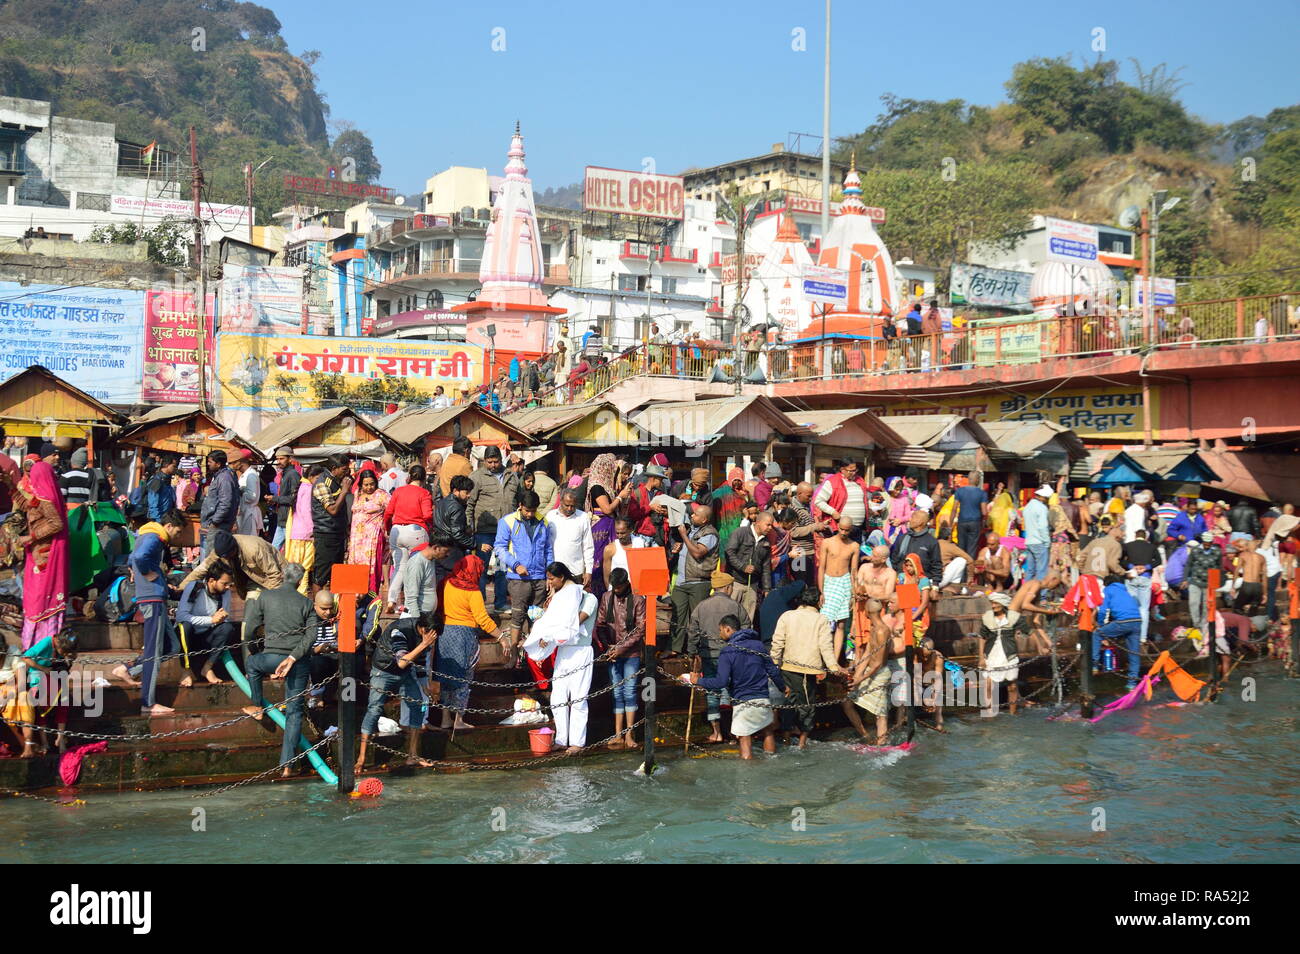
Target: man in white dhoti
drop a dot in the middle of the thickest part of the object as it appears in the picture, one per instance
(565, 628)
(999, 657)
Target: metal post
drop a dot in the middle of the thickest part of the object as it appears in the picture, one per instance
(347, 680)
(1085, 661)
(826, 132)
(196, 189)
(649, 669)
(1211, 624)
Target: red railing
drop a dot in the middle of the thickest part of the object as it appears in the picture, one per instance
(1255, 320)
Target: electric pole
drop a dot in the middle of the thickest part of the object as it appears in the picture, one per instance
(201, 304)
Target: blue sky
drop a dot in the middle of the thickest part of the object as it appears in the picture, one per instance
(692, 84)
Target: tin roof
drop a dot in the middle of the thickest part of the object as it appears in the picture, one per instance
(698, 420)
(288, 429)
(822, 423)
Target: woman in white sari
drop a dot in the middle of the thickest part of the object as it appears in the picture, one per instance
(565, 629)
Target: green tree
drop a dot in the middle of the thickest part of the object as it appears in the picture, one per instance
(169, 240)
(354, 144)
(932, 220)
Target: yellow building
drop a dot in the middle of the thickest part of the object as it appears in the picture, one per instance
(793, 173)
(457, 188)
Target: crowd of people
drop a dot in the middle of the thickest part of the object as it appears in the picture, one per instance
(781, 590)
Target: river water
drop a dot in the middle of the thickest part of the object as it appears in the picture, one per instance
(1202, 783)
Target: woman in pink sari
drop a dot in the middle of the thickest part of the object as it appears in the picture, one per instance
(366, 543)
(45, 548)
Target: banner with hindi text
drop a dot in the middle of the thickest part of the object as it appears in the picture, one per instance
(257, 371)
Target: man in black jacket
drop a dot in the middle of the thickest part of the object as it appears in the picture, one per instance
(287, 495)
(919, 540)
(1243, 518)
(748, 558)
(450, 523)
(393, 674)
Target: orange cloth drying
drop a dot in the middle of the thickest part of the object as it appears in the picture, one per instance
(1185, 685)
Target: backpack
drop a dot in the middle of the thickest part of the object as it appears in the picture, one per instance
(116, 604)
(137, 506)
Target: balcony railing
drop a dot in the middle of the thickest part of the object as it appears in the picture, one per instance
(678, 253)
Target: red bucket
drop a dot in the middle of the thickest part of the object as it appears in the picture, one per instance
(540, 740)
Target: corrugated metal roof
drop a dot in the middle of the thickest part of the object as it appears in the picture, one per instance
(1027, 438)
(289, 428)
(825, 422)
(545, 421)
(698, 420)
(924, 430)
(411, 424)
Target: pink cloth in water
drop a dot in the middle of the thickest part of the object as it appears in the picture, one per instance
(70, 761)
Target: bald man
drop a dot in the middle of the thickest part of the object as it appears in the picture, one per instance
(804, 535)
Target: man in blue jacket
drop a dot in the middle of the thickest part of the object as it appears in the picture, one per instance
(1120, 619)
(220, 499)
(151, 590)
(159, 494)
(523, 547)
(744, 669)
(1187, 524)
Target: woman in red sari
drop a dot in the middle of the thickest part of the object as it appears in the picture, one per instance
(45, 549)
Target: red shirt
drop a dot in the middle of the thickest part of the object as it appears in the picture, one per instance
(407, 505)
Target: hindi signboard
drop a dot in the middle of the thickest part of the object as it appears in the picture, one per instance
(622, 192)
(171, 346)
(256, 371)
(134, 205)
(989, 287)
(829, 285)
(1072, 242)
(90, 337)
(1163, 292)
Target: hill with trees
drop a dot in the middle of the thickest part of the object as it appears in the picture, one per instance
(1079, 142)
(156, 67)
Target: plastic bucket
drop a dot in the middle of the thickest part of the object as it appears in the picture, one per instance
(540, 741)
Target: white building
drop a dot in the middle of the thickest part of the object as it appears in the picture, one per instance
(68, 176)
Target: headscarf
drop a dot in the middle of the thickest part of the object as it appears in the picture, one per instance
(915, 562)
(604, 469)
(45, 485)
(467, 572)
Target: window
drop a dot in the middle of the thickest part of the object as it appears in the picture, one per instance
(669, 285)
(628, 282)
(642, 328)
(605, 325)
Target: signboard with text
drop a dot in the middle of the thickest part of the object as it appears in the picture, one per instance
(1113, 413)
(336, 187)
(171, 347)
(224, 215)
(622, 192)
(90, 337)
(255, 370)
(261, 299)
(829, 285)
(799, 203)
(989, 287)
(1072, 242)
(1163, 292)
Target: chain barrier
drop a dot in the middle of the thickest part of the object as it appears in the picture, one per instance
(518, 763)
(261, 775)
(178, 733)
(397, 694)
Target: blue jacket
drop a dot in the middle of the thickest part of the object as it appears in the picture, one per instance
(197, 598)
(220, 500)
(744, 667)
(515, 546)
(1117, 604)
(1189, 528)
(160, 496)
(147, 557)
